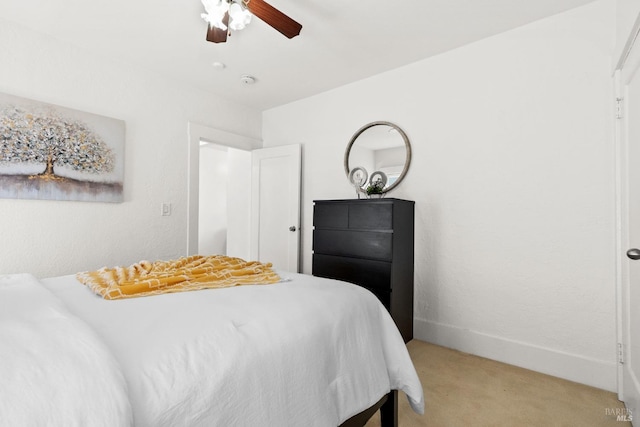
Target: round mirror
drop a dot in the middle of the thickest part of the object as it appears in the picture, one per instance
(379, 153)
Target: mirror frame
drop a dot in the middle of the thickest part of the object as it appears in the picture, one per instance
(407, 145)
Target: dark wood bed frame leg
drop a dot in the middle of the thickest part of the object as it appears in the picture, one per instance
(389, 410)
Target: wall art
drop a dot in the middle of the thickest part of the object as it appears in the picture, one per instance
(57, 153)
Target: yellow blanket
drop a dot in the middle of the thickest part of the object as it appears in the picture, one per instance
(184, 274)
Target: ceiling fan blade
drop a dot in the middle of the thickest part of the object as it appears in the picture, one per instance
(272, 16)
(216, 35)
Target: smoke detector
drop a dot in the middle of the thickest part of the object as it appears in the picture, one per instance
(247, 80)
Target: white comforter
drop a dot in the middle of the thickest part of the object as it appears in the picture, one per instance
(305, 352)
(54, 370)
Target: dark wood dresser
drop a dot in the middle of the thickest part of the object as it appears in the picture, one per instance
(369, 243)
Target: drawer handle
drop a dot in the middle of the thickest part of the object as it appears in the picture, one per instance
(292, 228)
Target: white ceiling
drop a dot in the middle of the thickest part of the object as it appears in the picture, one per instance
(340, 42)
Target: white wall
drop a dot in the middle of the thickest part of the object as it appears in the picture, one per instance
(513, 178)
(54, 237)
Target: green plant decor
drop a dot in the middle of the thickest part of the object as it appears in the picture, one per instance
(375, 188)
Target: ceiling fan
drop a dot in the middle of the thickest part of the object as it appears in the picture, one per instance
(225, 15)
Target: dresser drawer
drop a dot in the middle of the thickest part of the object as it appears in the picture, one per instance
(361, 244)
(371, 216)
(332, 215)
(362, 215)
(367, 273)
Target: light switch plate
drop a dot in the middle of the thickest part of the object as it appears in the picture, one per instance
(165, 209)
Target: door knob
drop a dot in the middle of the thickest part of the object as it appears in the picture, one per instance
(633, 253)
(293, 228)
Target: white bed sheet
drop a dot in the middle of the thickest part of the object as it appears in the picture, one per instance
(304, 352)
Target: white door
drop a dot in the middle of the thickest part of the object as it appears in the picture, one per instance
(629, 247)
(275, 206)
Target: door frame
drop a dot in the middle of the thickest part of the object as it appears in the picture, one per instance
(195, 133)
(621, 241)
(629, 59)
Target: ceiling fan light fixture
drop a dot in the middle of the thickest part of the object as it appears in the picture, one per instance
(225, 15)
(215, 12)
(240, 16)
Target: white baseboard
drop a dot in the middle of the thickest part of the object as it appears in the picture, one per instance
(592, 372)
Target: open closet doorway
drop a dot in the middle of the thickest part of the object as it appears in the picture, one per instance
(224, 202)
(262, 197)
(231, 151)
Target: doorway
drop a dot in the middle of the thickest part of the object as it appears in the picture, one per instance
(224, 200)
(233, 148)
(262, 197)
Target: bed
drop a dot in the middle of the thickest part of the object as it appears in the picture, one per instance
(306, 351)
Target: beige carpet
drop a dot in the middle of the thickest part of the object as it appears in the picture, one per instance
(465, 390)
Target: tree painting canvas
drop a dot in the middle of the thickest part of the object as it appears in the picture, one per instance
(56, 153)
